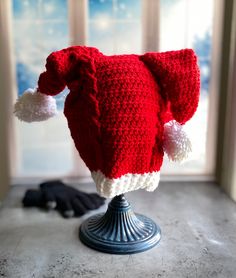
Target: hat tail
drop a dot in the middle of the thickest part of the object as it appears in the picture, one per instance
(61, 68)
(178, 76)
(37, 104)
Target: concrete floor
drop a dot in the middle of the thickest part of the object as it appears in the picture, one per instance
(198, 223)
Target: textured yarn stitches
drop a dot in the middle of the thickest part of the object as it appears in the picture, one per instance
(111, 187)
(118, 105)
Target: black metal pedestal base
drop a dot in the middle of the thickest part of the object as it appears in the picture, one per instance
(119, 230)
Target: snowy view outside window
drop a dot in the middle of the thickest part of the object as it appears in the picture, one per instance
(115, 27)
(40, 27)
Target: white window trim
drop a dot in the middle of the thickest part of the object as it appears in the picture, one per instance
(8, 155)
(212, 125)
(78, 27)
(227, 167)
(150, 25)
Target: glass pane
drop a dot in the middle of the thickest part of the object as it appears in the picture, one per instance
(128, 9)
(115, 26)
(182, 28)
(53, 10)
(24, 9)
(99, 8)
(40, 27)
(45, 148)
(40, 9)
(127, 38)
(100, 35)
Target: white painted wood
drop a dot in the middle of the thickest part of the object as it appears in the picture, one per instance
(78, 15)
(211, 142)
(7, 89)
(78, 29)
(228, 178)
(151, 25)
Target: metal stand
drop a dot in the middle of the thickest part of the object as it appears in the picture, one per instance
(119, 230)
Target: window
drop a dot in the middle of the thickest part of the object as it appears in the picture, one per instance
(114, 26)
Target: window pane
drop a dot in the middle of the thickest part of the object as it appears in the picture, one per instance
(115, 26)
(97, 8)
(181, 28)
(40, 27)
(127, 37)
(128, 9)
(100, 36)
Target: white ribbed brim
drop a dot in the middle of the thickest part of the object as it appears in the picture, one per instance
(110, 188)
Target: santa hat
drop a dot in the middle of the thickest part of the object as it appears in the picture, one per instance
(123, 111)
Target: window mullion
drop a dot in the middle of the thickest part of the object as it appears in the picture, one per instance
(151, 25)
(78, 17)
(78, 30)
(8, 92)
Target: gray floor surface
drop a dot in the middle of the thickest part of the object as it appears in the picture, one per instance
(198, 223)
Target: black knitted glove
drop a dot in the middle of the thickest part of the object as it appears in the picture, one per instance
(66, 199)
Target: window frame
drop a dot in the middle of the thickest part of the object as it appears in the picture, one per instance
(8, 145)
(226, 155)
(214, 92)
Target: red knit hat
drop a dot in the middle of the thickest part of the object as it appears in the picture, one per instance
(117, 110)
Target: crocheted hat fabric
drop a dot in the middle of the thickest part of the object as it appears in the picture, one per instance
(117, 108)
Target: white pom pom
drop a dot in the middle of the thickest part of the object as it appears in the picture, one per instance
(33, 106)
(176, 143)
